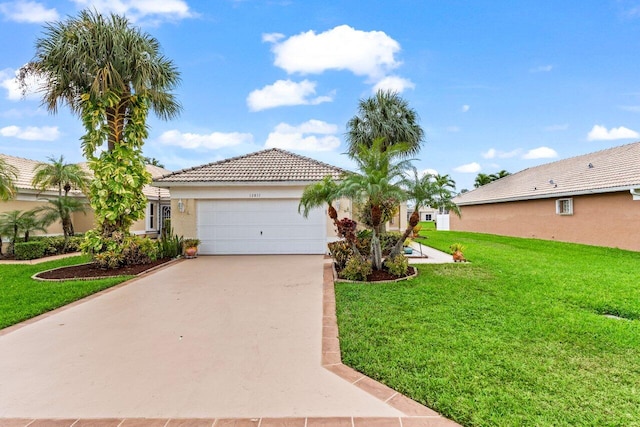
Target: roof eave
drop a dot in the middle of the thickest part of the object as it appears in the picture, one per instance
(551, 195)
(169, 184)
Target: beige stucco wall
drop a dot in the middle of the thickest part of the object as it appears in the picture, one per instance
(609, 219)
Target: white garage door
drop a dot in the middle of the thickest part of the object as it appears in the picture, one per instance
(266, 226)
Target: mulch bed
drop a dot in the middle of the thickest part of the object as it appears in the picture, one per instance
(85, 271)
(382, 275)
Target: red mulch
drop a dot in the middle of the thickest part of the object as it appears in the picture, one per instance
(92, 270)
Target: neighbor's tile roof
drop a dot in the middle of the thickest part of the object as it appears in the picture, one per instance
(26, 168)
(272, 165)
(613, 169)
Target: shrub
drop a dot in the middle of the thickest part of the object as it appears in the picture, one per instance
(340, 252)
(170, 246)
(388, 240)
(398, 265)
(119, 250)
(29, 250)
(356, 268)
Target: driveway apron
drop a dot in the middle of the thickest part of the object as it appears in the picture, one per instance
(208, 337)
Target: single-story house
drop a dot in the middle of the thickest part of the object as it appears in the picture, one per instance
(28, 197)
(592, 199)
(249, 205)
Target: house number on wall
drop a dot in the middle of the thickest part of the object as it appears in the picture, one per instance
(254, 195)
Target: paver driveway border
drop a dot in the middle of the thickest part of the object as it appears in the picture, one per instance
(416, 415)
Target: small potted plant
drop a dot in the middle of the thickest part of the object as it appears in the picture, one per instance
(191, 247)
(456, 250)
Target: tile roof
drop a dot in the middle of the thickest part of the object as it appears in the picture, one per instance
(272, 165)
(26, 168)
(613, 169)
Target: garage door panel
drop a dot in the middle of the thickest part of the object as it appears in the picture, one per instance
(259, 227)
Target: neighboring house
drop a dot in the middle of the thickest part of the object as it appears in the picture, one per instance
(158, 200)
(249, 204)
(592, 199)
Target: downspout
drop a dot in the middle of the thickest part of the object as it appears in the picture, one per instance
(635, 192)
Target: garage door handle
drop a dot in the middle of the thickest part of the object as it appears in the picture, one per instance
(261, 233)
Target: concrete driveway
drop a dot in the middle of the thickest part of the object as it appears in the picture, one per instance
(209, 337)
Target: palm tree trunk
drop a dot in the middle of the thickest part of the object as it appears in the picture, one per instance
(413, 221)
(376, 251)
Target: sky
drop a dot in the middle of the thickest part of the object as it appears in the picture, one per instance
(497, 85)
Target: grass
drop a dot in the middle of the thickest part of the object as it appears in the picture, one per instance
(22, 298)
(516, 337)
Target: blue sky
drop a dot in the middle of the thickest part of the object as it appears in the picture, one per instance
(497, 84)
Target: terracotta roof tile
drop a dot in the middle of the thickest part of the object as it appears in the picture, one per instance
(26, 168)
(272, 165)
(613, 169)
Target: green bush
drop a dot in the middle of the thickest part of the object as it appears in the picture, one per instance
(29, 250)
(340, 252)
(388, 240)
(170, 247)
(356, 268)
(398, 265)
(119, 250)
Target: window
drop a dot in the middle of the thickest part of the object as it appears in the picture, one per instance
(564, 206)
(427, 217)
(151, 217)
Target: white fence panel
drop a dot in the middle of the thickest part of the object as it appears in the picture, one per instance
(442, 222)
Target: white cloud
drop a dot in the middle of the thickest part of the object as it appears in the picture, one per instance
(31, 133)
(541, 69)
(364, 53)
(290, 137)
(285, 92)
(452, 129)
(632, 108)
(139, 10)
(210, 141)
(9, 82)
(30, 12)
(427, 171)
(492, 153)
(468, 168)
(393, 83)
(555, 128)
(540, 153)
(272, 37)
(600, 133)
(465, 108)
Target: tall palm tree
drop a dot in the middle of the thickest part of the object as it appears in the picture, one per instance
(59, 174)
(388, 116)
(444, 191)
(8, 176)
(379, 172)
(110, 74)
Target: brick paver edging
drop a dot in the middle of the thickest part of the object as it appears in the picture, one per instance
(331, 360)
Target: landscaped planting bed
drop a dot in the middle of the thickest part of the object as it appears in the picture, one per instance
(523, 335)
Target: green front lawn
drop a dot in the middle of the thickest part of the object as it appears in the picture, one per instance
(516, 337)
(21, 297)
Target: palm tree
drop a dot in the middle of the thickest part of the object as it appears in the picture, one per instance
(388, 116)
(319, 194)
(379, 172)
(499, 175)
(8, 176)
(15, 222)
(153, 161)
(59, 174)
(444, 189)
(60, 209)
(482, 179)
(421, 190)
(110, 74)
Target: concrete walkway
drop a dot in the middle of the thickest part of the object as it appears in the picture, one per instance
(213, 338)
